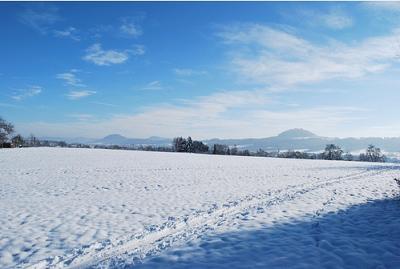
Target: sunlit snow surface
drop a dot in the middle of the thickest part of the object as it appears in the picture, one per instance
(79, 208)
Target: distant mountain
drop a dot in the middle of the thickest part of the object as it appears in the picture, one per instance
(82, 140)
(113, 139)
(293, 139)
(300, 139)
(297, 133)
(116, 139)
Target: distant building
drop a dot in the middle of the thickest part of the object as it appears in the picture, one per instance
(6, 145)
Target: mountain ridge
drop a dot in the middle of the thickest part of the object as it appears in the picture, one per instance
(292, 139)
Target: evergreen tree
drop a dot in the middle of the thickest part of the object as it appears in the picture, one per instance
(189, 144)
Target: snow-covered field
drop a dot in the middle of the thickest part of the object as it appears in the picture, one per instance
(79, 208)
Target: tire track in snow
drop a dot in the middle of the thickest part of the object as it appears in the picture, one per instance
(135, 248)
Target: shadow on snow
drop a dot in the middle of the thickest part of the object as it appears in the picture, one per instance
(362, 236)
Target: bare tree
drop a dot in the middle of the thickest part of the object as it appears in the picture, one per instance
(33, 141)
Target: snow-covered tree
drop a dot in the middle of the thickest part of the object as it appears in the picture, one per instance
(179, 144)
(6, 128)
(332, 152)
(189, 144)
(372, 154)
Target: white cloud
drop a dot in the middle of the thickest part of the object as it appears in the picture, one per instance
(187, 72)
(234, 114)
(98, 56)
(130, 29)
(154, 85)
(70, 32)
(130, 26)
(335, 18)
(269, 56)
(70, 78)
(137, 50)
(40, 17)
(25, 93)
(75, 95)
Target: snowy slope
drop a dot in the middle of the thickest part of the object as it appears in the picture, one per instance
(81, 208)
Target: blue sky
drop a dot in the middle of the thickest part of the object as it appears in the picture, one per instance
(206, 69)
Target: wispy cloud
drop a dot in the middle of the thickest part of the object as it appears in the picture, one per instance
(75, 95)
(212, 116)
(154, 85)
(26, 93)
(40, 17)
(187, 72)
(125, 27)
(81, 117)
(382, 12)
(130, 28)
(269, 56)
(9, 105)
(71, 79)
(70, 32)
(103, 104)
(137, 50)
(335, 18)
(97, 55)
(392, 6)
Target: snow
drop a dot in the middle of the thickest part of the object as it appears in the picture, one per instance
(80, 208)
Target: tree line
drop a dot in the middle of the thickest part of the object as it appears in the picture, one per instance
(334, 152)
(331, 152)
(180, 144)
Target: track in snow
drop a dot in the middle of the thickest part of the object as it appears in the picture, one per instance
(137, 248)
